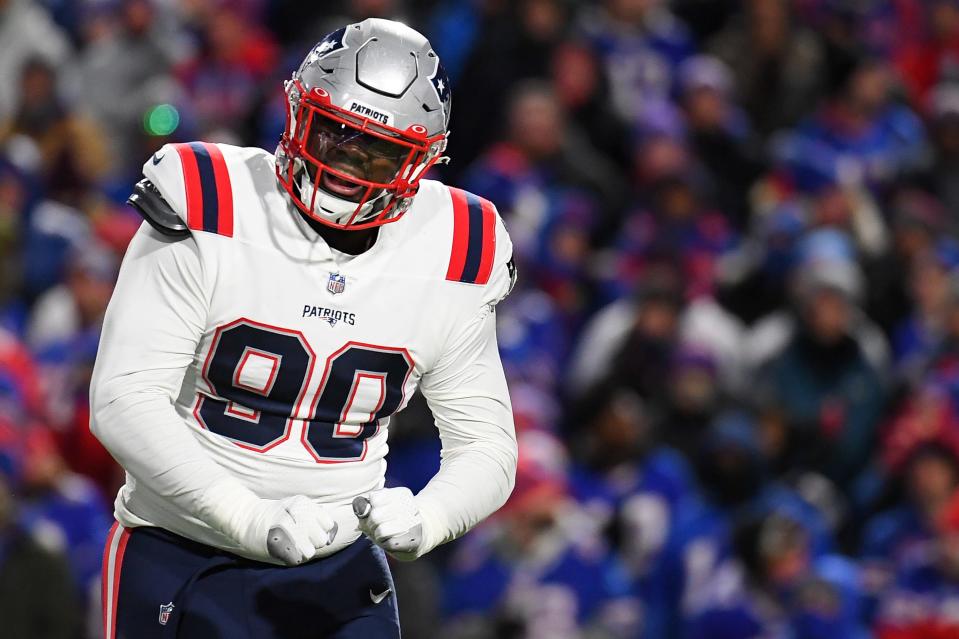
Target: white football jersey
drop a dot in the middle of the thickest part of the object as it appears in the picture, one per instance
(285, 359)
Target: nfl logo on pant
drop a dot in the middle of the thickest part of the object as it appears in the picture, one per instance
(336, 284)
(165, 610)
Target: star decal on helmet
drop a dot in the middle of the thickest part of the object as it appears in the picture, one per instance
(441, 83)
(329, 44)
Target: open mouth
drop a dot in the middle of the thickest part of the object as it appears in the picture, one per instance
(339, 186)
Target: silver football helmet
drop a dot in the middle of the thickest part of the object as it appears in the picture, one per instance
(368, 114)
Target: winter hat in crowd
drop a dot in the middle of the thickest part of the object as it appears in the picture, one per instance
(705, 72)
(827, 261)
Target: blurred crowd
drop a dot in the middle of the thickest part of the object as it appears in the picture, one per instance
(733, 352)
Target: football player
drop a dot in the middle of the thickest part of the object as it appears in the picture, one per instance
(271, 314)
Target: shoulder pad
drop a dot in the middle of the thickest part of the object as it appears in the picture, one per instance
(474, 238)
(146, 199)
(194, 179)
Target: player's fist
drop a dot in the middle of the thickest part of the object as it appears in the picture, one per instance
(390, 518)
(295, 528)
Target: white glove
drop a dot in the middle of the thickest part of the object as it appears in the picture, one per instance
(289, 530)
(392, 521)
(297, 527)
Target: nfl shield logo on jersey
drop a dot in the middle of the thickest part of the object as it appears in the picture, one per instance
(165, 610)
(337, 283)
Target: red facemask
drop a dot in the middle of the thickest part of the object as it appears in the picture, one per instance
(353, 159)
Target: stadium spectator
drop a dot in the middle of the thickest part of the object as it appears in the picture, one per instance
(859, 137)
(918, 334)
(921, 458)
(37, 595)
(829, 385)
(777, 64)
(641, 43)
(734, 486)
(939, 361)
(927, 60)
(630, 345)
(26, 32)
(677, 222)
(516, 43)
(944, 136)
(543, 157)
(781, 586)
(68, 148)
(579, 78)
(21, 394)
(917, 220)
(916, 605)
(626, 478)
(63, 508)
(535, 341)
(753, 279)
(123, 72)
(540, 565)
(78, 304)
(13, 203)
(224, 81)
(720, 135)
(695, 395)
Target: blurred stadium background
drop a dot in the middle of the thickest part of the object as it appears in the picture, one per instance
(733, 352)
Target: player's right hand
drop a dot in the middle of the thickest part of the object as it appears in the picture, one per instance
(293, 529)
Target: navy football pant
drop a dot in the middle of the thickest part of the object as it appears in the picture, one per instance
(157, 585)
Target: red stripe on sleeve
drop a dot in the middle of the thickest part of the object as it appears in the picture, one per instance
(461, 233)
(224, 190)
(191, 181)
(489, 242)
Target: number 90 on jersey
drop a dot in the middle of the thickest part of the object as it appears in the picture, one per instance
(259, 376)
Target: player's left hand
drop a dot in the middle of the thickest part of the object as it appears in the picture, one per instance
(390, 518)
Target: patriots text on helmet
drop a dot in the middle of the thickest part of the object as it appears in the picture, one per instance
(369, 112)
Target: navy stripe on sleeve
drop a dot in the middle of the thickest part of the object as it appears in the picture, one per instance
(474, 249)
(207, 187)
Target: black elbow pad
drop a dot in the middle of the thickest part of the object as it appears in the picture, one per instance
(148, 202)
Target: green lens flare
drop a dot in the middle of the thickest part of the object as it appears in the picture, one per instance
(163, 119)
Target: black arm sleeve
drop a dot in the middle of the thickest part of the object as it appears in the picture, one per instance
(148, 202)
